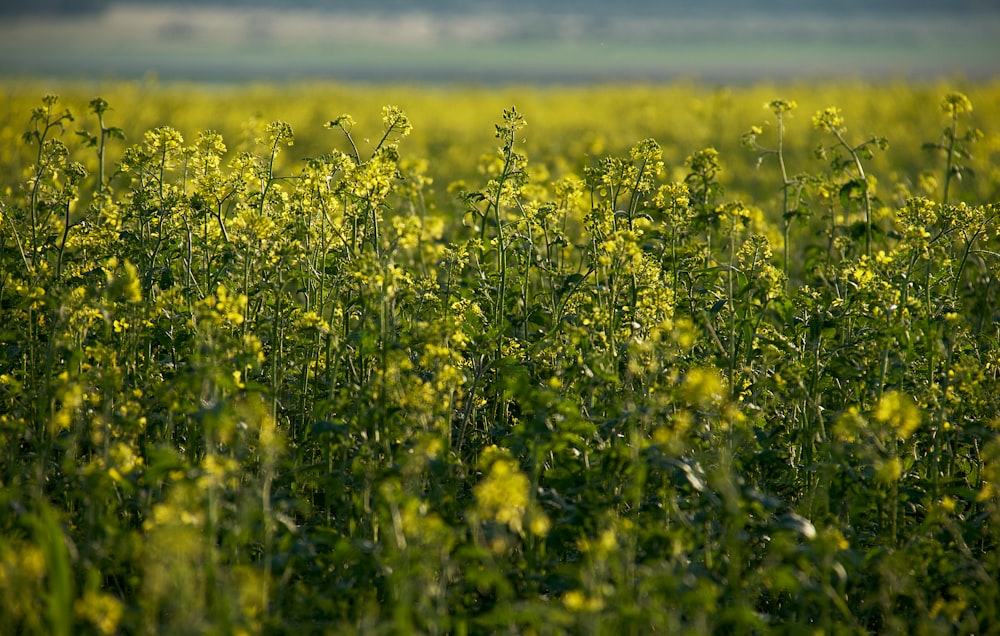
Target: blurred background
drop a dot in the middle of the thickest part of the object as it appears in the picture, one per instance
(493, 41)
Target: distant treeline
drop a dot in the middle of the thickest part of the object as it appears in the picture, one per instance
(595, 7)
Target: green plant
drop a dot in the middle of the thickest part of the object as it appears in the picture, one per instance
(243, 393)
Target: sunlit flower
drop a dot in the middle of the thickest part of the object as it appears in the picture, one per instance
(101, 610)
(899, 411)
(579, 601)
(703, 387)
(829, 120)
(955, 104)
(502, 496)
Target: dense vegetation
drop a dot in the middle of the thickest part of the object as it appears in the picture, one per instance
(665, 361)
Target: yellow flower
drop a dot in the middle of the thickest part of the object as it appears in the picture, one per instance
(540, 524)
(578, 601)
(955, 104)
(848, 424)
(948, 504)
(829, 120)
(124, 461)
(702, 387)
(393, 118)
(890, 471)
(101, 610)
(862, 272)
(503, 495)
(779, 106)
(898, 411)
(836, 539)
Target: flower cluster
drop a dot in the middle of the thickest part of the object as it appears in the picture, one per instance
(256, 380)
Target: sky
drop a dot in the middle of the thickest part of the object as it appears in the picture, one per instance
(413, 44)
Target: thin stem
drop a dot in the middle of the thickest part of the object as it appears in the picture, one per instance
(785, 186)
(863, 179)
(949, 157)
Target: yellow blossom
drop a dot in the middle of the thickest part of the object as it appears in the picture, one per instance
(898, 411)
(955, 104)
(703, 387)
(578, 601)
(503, 495)
(890, 470)
(103, 611)
(829, 120)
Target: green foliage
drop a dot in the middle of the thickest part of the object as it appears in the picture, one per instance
(246, 394)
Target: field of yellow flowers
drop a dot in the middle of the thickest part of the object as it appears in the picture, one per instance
(616, 359)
